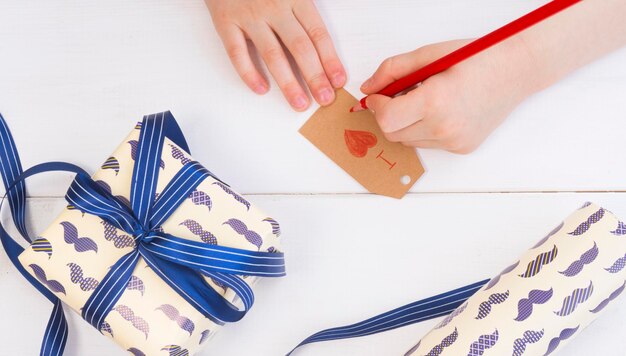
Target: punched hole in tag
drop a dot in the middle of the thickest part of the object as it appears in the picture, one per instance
(405, 179)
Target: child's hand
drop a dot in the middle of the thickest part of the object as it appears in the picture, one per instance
(266, 23)
(457, 109)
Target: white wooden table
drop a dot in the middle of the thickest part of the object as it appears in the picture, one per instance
(86, 70)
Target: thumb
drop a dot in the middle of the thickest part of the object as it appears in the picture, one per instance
(396, 67)
(376, 102)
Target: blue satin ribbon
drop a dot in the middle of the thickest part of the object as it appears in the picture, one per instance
(422, 310)
(181, 263)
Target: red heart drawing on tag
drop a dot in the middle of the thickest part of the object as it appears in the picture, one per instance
(359, 142)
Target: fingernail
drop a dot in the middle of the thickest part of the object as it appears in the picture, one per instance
(326, 96)
(299, 102)
(338, 79)
(260, 88)
(356, 108)
(367, 83)
(360, 106)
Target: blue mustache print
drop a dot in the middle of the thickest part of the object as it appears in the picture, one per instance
(106, 327)
(175, 350)
(241, 228)
(484, 342)
(40, 274)
(564, 335)
(81, 244)
(451, 316)
(571, 302)
(199, 197)
(42, 245)
(136, 352)
(76, 276)
(138, 322)
(173, 314)
(540, 261)
(232, 193)
(620, 230)
(618, 265)
(204, 336)
(611, 297)
(529, 337)
(275, 226)
(198, 230)
(447, 341)
(135, 283)
(586, 258)
(179, 155)
(586, 225)
(485, 307)
(525, 305)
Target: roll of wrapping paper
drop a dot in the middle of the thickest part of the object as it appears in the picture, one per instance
(544, 299)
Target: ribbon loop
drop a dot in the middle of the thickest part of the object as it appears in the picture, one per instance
(197, 255)
(89, 197)
(147, 165)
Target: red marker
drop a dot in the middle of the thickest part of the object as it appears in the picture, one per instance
(471, 49)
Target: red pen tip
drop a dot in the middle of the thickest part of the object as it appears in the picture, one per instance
(360, 106)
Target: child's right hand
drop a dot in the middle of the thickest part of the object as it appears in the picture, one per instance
(457, 109)
(266, 23)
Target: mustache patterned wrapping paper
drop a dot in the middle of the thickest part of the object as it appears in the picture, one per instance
(540, 302)
(73, 255)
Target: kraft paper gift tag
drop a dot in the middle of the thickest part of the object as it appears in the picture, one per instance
(355, 142)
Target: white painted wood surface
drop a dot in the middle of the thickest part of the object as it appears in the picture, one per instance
(86, 70)
(350, 257)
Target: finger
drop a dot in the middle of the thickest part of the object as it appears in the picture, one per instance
(393, 114)
(425, 144)
(274, 57)
(396, 67)
(419, 131)
(237, 49)
(376, 103)
(299, 44)
(310, 18)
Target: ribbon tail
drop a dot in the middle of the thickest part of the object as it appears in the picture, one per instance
(11, 169)
(412, 313)
(110, 289)
(56, 332)
(55, 338)
(236, 283)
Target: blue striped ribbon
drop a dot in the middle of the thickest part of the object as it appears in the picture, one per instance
(181, 263)
(425, 309)
(11, 168)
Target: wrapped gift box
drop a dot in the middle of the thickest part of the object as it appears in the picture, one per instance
(73, 255)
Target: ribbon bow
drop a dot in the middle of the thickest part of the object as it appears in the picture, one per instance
(181, 263)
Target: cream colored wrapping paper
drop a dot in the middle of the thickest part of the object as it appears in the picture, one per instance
(543, 300)
(150, 318)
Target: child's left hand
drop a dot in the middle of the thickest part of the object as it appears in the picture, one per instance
(269, 24)
(457, 109)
